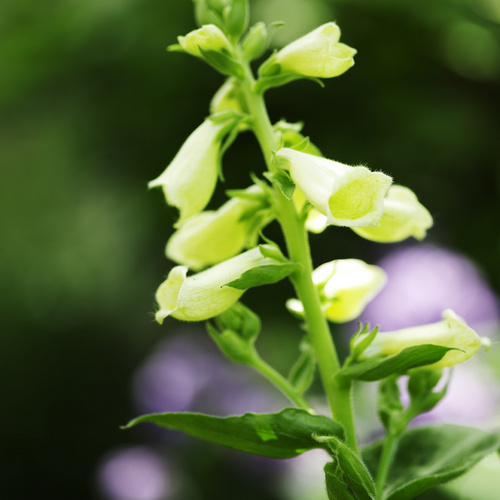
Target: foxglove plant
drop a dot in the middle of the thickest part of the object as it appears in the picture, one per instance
(220, 258)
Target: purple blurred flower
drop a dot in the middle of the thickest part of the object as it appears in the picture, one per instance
(188, 373)
(135, 473)
(472, 398)
(424, 280)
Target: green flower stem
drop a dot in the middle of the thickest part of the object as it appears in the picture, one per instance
(339, 397)
(281, 383)
(388, 452)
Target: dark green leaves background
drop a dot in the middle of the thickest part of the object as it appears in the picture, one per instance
(92, 108)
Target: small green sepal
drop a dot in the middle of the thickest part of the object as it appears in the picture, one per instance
(223, 63)
(233, 346)
(380, 367)
(242, 320)
(346, 476)
(282, 179)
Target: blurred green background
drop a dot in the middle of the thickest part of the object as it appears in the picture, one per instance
(92, 108)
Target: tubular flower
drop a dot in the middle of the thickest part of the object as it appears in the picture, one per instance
(403, 216)
(204, 295)
(189, 181)
(208, 37)
(348, 196)
(452, 331)
(317, 54)
(207, 238)
(345, 286)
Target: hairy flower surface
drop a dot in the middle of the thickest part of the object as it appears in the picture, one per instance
(348, 196)
(190, 179)
(452, 331)
(205, 295)
(210, 237)
(345, 286)
(403, 216)
(317, 54)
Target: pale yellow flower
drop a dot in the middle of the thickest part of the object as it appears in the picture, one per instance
(452, 331)
(403, 216)
(348, 196)
(205, 295)
(345, 286)
(210, 237)
(190, 179)
(317, 54)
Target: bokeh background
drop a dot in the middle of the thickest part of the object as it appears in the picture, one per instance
(92, 108)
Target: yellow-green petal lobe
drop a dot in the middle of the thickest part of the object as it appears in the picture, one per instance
(403, 216)
(452, 331)
(317, 54)
(348, 196)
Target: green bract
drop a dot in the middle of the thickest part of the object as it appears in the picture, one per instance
(348, 196)
(452, 331)
(207, 238)
(189, 181)
(345, 286)
(403, 216)
(317, 54)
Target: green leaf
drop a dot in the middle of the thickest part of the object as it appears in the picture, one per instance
(380, 367)
(276, 435)
(263, 275)
(347, 467)
(282, 179)
(429, 456)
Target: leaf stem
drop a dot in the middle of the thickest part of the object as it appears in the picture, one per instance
(281, 383)
(293, 226)
(388, 452)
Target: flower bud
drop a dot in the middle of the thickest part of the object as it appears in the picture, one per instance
(348, 196)
(403, 216)
(345, 286)
(452, 331)
(227, 97)
(189, 181)
(207, 238)
(317, 54)
(208, 37)
(206, 294)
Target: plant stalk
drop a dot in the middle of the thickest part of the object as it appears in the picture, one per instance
(293, 226)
